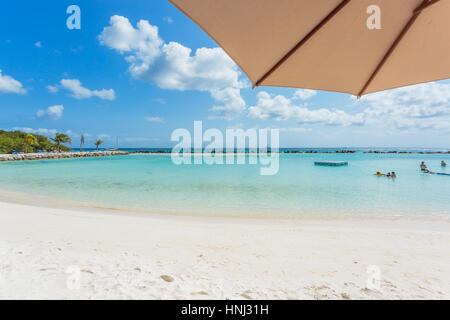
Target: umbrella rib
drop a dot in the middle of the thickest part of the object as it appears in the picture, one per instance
(416, 13)
(303, 41)
(425, 5)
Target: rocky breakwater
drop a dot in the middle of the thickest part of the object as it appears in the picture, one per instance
(56, 155)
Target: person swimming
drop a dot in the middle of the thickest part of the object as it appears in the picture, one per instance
(379, 174)
(393, 175)
(423, 166)
(443, 164)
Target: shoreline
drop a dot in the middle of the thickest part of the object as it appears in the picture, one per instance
(23, 198)
(163, 151)
(91, 154)
(123, 255)
(59, 155)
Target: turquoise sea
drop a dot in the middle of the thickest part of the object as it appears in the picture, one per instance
(152, 183)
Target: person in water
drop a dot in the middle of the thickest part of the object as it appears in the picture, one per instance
(393, 175)
(388, 175)
(443, 164)
(423, 166)
(379, 174)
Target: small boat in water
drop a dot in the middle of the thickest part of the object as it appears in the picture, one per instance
(331, 163)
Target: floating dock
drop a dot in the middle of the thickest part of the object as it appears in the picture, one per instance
(331, 163)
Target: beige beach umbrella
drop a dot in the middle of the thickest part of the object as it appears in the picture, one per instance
(352, 46)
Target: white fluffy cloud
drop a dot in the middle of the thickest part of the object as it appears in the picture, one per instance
(232, 103)
(143, 41)
(173, 66)
(53, 112)
(281, 108)
(295, 130)
(53, 89)
(177, 69)
(154, 119)
(160, 100)
(138, 139)
(10, 85)
(422, 106)
(431, 93)
(43, 131)
(79, 92)
(103, 136)
(304, 94)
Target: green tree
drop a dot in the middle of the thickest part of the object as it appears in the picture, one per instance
(81, 143)
(98, 143)
(61, 138)
(7, 144)
(30, 141)
(16, 140)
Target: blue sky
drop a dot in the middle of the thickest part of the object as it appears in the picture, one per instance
(139, 81)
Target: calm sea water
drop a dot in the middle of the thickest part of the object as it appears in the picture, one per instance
(300, 189)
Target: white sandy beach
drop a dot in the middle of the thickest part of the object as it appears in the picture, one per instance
(125, 255)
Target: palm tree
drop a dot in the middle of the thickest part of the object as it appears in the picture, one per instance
(98, 143)
(81, 143)
(30, 140)
(61, 138)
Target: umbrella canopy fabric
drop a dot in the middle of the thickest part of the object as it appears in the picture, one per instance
(327, 44)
